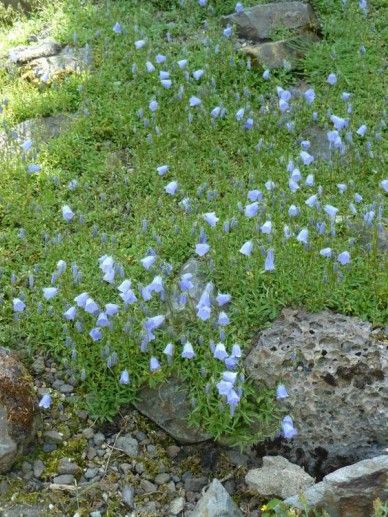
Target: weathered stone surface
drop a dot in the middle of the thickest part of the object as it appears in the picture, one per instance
(27, 510)
(128, 444)
(261, 21)
(39, 130)
(168, 406)
(18, 415)
(278, 477)
(279, 54)
(335, 372)
(22, 54)
(216, 503)
(350, 491)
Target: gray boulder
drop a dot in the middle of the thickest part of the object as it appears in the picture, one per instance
(261, 21)
(168, 406)
(350, 491)
(18, 410)
(69, 60)
(216, 503)
(24, 53)
(277, 477)
(335, 370)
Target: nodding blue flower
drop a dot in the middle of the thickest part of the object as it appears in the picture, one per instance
(236, 351)
(153, 105)
(216, 112)
(290, 166)
(124, 377)
(283, 94)
(49, 292)
(45, 401)
(255, 195)
(169, 350)
(334, 138)
(72, 185)
(269, 264)
(342, 187)
(309, 96)
(154, 322)
(266, 75)
(246, 248)
(352, 208)
(102, 320)
(61, 267)
(249, 123)
(185, 282)
(109, 276)
(171, 188)
(303, 236)
(125, 286)
(111, 309)
(147, 262)
(310, 180)
(220, 352)
(91, 306)
(239, 8)
(70, 314)
(160, 58)
(339, 122)
(231, 362)
(26, 145)
(33, 168)
(228, 31)
(288, 429)
(197, 74)
(362, 130)
(252, 209)
(188, 351)
(224, 387)
(331, 211)
(211, 218)
(239, 114)
(269, 185)
(81, 300)
(128, 297)
(266, 227)
(201, 249)
(281, 392)
(287, 232)
(312, 200)
(306, 158)
(326, 252)
(229, 377)
(182, 63)
(357, 198)
(369, 216)
(154, 364)
(204, 312)
(194, 101)
(67, 213)
(18, 305)
(344, 258)
(331, 79)
(117, 28)
(223, 319)
(233, 399)
(293, 185)
(283, 105)
(363, 5)
(166, 83)
(223, 299)
(384, 185)
(345, 96)
(162, 169)
(150, 67)
(140, 44)
(293, 211)
(95, 334)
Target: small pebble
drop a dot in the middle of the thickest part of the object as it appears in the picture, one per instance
(98, 439)
(147, 486)
(53, 437)
(162, 478)
(64, 479)
(128, 494)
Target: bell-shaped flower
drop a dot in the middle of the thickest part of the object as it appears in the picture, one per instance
(281, 392)
(171, 188)
(309, 96)
(211, 218)
(303, 236)
(239, 8)
(162, 169)
(201, 249)
(246, 248)
(49, 292)
(266, 227)
(102, 320)
(188, 351)
(140, 43)
(288, 429)
(252, 209)
(128, 297)
(169, 350)
(111, 309)
(182, 63)
(67, 213)
(266, 75)
(154, 364)
(220, 352)
(224, 388)
(18, 305)
(91, 306)
(70, 314)
(117, 28)
(344, 258)
(150, 67)
(293, 211)
(153, 105)
(309, 180)
(312, 201)
(223, 299)
(125, 286)
(166, 83)
(240, 114)
(124, 377)
(61, 267)
(362, 130)
(223, 319)
(45, 401)
(194, 101)
(269, 264)
(331, 211)
(148, 261)
(197, 74)
(204, 312)
(306, 158)
(81, 300)
(326, 252)
(255, 195)
(95, 334)
(185, 282)
(331, 79)
(228, 31)
(339, 123)
(342, 187)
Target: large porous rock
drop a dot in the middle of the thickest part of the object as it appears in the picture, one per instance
(18, 410)
(278, 478)
(350, 491)
(262, 21)
(169, 407)
(24, 53)
(39, 130)
(216, 502)
(335, 371)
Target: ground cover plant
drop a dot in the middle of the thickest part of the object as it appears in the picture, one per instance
(217, 166)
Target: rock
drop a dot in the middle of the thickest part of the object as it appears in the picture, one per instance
(18, 409)
(334, 369)
(262, 21)
(38, 365)
(66, 389)
(91, 473)
(24, 54)
(66, 466)
(173, 451)
(38, 468)
(278, 478)
(98, 439)
(195, 484)
(27, 510)
(162, 478)
(53, 437)
(128, 445)
(171, 410)
(176, 506)
(216, 503)
(279, 54)
(40, 131)
(64, 479)
(128, 494)
(147, 486)
(350, 491)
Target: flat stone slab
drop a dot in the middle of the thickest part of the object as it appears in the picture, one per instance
(24, 54)
(261, 21)
(216, 503)
(279, 54)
